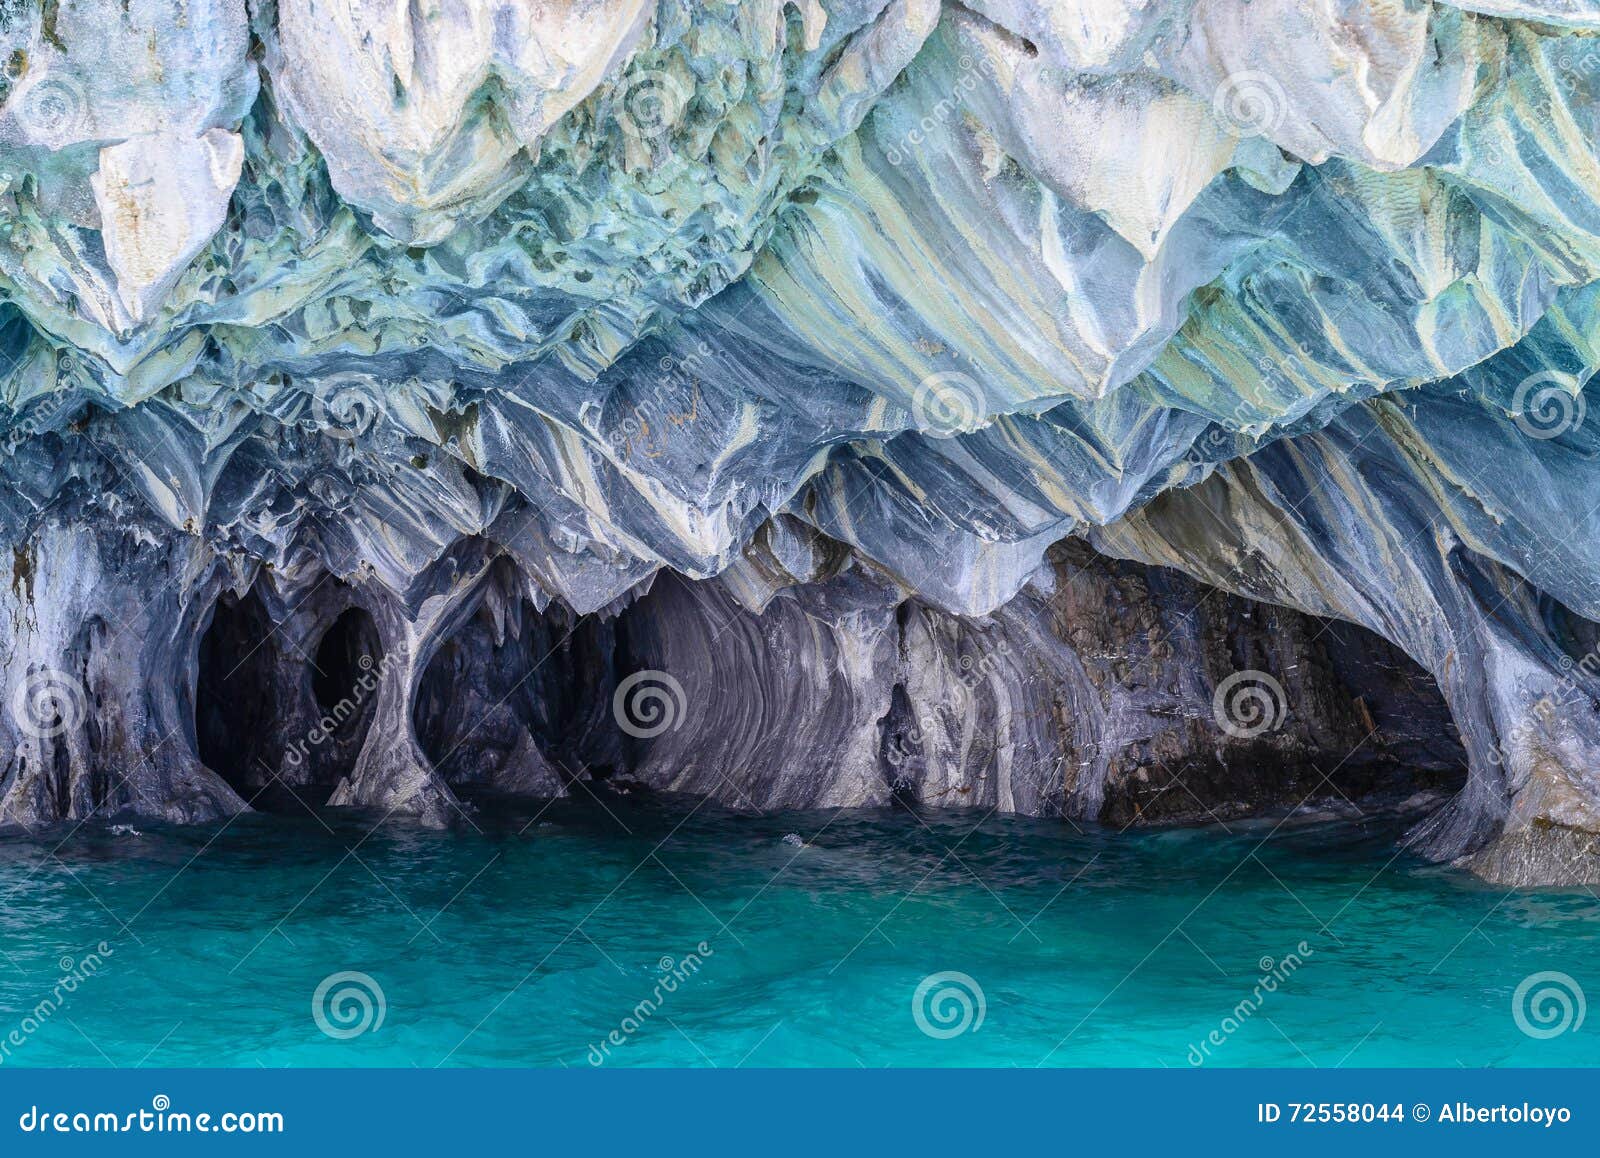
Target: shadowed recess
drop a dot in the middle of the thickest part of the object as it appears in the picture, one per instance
(344, 681)
(238, 702)
(507, 701)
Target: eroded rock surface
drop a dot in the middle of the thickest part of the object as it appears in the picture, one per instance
(789, 349)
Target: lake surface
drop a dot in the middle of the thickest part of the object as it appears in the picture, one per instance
(657, 931)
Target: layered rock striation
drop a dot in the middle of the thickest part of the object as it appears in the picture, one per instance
(1147, 412)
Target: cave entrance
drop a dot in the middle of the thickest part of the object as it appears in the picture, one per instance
(237, 700)
(344, 688)
(280, 728)
(1347, 725)
(509, 699)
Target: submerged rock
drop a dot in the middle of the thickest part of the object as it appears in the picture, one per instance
(717, 397)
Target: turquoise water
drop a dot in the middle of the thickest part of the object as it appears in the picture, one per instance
(530, 941)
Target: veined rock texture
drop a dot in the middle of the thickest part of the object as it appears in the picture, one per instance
(1132, 412)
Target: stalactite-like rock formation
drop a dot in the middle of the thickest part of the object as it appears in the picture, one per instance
(403, 404)
(1091, 695)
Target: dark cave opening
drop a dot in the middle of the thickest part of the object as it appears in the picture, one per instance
(237, 705)
(1365, 728)
(515, 701)
(348, 649)
(279, 728)
(1400, 706)
(344, 685)
(518, 701)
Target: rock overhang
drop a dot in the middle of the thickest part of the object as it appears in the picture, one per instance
(723, 290)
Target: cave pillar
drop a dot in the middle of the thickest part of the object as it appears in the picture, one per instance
(392, 773)
(98, 657)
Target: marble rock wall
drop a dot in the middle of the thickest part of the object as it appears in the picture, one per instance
(502, 325)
